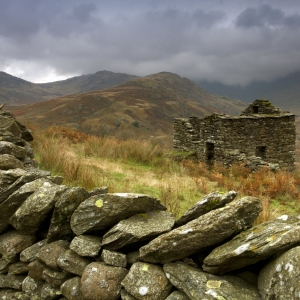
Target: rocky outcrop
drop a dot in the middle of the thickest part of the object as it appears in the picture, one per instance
(59, 242)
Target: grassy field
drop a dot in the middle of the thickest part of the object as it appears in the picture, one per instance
(138, 166)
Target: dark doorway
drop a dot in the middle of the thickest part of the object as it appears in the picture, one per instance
(261, 151)
(255, 109)
(210, 152)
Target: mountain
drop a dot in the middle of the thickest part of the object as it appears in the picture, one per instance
(16, 91)
(142, 107)
(283, 92)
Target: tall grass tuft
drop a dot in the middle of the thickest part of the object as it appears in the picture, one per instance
(141, 166)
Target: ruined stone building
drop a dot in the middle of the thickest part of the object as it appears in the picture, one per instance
(261, 135)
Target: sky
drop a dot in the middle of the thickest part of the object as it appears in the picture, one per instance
(231, 41)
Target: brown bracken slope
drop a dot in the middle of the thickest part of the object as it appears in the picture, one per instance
(141, 108)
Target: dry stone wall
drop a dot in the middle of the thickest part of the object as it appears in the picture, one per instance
(261, 136)
(59, 242)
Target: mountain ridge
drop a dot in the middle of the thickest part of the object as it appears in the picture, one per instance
(17, 91)
(142, 107)
(283, 92)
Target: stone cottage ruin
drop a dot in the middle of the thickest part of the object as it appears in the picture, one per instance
(261, 135)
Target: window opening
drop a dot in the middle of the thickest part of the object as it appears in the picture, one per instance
(261, 151)
(210, 151)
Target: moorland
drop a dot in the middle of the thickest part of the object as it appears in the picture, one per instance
(116, 130)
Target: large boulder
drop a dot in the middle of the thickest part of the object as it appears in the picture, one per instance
(35, 209)
(10, 148)
(219, 225)
(50, 253)
(147, 281)
(8, 177)
(60, 222)
(197, 284)
(28, 255)
(71, 262)
(254, 244)
(279, 279)
(209, 202)
(86, 245)
(13, 242)
(103, 282)
(27, 177)
(138, 228)
(71, 289)
(14, 201)
(102, 211)
(8, 161)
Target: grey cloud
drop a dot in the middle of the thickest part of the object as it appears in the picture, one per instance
(193, 38)
(17, 19)
(264, 16)
(207, 19)
(83, 12)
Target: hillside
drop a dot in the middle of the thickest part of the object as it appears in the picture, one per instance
(283, 92)
(143, 107)
(16, 91)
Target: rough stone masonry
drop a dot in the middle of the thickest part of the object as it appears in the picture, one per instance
(60, 242)
(262, 136)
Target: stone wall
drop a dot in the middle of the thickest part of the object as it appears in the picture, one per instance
(262, 134)
(59, 242)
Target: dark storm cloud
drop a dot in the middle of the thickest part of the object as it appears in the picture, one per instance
(231, 41)
(266, 15)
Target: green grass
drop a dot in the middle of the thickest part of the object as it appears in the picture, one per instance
(141, 167)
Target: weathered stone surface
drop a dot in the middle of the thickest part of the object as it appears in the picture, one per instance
(7, 293)
(29, 253)
(14, 201)
(36, 269)
(146, 281)
(71, 262)
(8, 177)
(50, 291)
(18, 296)
(11, 281)
(86, 245)
(10, 148)
(102, 211)
(209, 202)
(13, 242)
(60, 222)
(55, 277)
(197, 284)
(36, 208)
(29, 176)
(126, 296)
(4, 265)
(99, 191)
(102, 282)
(8, 123)
(193, 236)
(178, 295)
(18, 268)
(279, 279)
(138, 228)
(8, 161)
(50, 253)
(113, 258)
(254, 244)
(32, 287)
(71, 289)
